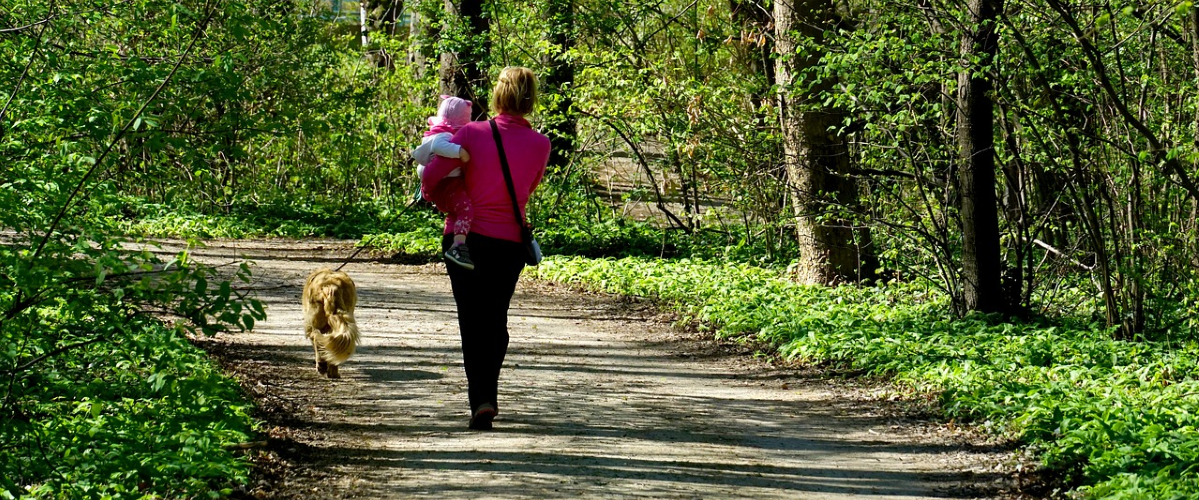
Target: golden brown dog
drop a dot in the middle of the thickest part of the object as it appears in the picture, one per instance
(329, 300)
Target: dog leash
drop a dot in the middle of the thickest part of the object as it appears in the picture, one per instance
(383, 230)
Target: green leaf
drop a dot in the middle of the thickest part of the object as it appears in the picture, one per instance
(101, 272)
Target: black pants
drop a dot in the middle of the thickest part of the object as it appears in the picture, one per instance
(483, 296)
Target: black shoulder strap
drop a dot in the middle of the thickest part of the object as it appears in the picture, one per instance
(499, 145)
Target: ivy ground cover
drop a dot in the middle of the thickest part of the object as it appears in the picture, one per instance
(1111, 419)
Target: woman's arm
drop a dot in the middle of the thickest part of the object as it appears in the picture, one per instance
(439, 166)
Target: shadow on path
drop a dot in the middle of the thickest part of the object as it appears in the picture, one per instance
(597, 401)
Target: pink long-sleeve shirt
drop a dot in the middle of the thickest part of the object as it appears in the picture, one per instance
(528, 152)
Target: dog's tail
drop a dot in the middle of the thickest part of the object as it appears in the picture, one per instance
(342, 339)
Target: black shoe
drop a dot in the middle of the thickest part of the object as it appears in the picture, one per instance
(460, 255)
(481, 421)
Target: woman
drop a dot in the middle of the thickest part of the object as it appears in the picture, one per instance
(484, 293)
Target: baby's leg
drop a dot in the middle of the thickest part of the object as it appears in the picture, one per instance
(464, 215)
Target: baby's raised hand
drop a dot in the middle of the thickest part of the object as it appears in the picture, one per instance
(463, 155)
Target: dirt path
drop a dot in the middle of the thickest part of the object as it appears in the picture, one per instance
(599, 399)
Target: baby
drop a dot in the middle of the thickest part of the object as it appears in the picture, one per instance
(449, 195)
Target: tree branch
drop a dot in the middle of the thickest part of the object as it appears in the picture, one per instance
(27, 26)
(60, 350)
(100, 160)
(1156, 148)
(24, 73)
(881, 173)
(644, 164)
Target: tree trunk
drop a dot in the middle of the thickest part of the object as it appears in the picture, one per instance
(559, 81)
(1195, 61)
(462, 73)
(363, 25)
(832, 250)
(981, 271)
(416, 54)
(422, 39)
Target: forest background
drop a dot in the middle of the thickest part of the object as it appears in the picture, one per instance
(993, 203)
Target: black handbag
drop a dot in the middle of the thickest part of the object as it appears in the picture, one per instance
(532, 249)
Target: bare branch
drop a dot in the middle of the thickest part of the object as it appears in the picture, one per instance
(1059, 253)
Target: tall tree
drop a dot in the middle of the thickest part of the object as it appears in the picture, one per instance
(559, 80)
(466, 45)
(832, 250)
(982, 287)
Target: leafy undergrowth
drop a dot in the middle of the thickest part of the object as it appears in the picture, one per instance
(419, 235)
(599, 239)
(147, 416)
(102, 398)
(1111, 419)
(417, 242)
(265, 220)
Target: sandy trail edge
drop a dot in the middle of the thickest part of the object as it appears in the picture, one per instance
(599, 399)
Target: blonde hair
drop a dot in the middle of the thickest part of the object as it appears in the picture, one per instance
(515, 91)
